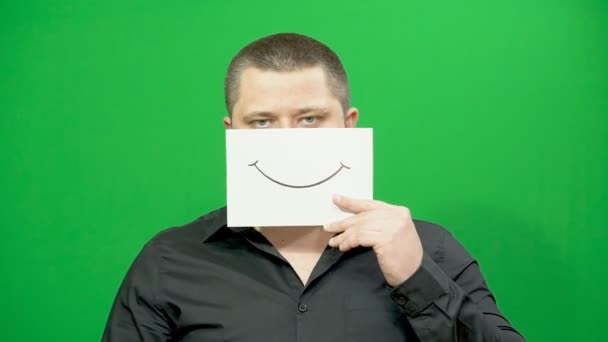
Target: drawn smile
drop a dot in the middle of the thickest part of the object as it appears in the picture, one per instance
(342, 166)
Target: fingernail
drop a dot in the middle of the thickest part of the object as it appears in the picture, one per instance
(337, 198)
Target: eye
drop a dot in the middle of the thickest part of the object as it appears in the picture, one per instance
(261, 123)
(310, 120)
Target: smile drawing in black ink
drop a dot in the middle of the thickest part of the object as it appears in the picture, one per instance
(342, 166)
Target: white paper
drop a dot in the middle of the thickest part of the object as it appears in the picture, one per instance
(286, 177)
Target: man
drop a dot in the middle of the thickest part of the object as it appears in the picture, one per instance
(375, 276)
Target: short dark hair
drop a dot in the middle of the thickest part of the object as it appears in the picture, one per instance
(287, 52)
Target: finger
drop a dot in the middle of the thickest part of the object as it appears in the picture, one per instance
(354, 205)
(347, 223)
(359, 238)
(338, 239)
(349, 243)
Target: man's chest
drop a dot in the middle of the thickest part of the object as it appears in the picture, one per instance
(244, 296)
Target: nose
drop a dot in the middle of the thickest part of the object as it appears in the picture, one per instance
(285, 122)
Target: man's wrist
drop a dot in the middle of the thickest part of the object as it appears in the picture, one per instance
(421, 289)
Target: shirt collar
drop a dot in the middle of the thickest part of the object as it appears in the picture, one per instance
(215, 225)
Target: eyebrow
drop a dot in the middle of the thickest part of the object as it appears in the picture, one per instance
(304, 110)
(320, 110)
(258, 113)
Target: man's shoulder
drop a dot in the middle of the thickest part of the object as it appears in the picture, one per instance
(439, 242)
(196, 230)
(429, 231)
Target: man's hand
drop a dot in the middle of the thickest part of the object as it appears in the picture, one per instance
(386, 228)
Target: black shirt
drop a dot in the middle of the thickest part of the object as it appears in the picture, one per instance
(207, 282)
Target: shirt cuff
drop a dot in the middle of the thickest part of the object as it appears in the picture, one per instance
(425, 286)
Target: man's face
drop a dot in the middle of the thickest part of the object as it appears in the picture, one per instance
(295, 99)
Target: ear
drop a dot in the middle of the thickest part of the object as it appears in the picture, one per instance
(351, 117)
(227, 122)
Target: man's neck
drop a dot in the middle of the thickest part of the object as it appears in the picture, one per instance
(308, 239)
(300, 246)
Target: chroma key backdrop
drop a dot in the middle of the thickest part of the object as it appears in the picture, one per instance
(489, 117)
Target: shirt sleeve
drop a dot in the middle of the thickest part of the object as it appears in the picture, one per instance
(449, 300)
(136, 314)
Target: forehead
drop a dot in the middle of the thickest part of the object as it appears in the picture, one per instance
(276, 90)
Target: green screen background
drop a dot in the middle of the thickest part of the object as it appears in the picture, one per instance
(490, 118)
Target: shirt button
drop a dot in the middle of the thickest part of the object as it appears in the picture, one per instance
(401, 300)
(302, 307)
